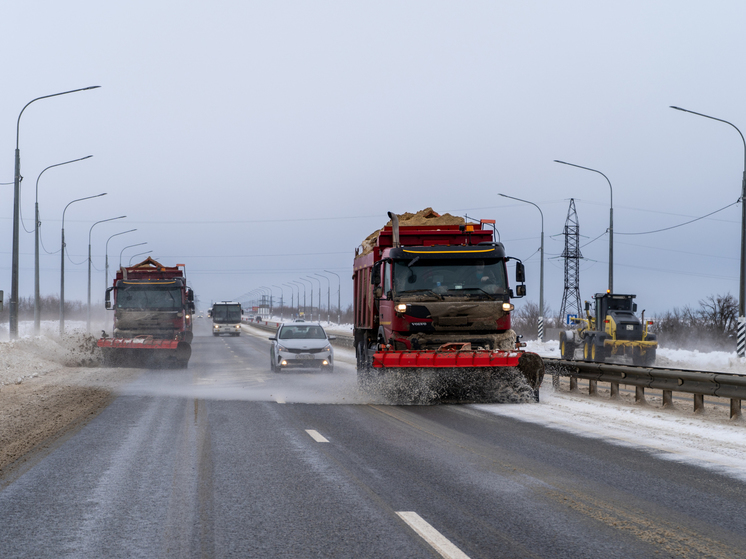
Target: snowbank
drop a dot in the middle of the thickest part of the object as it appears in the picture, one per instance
(29, 356)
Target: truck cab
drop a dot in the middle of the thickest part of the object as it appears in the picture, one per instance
(424, 286)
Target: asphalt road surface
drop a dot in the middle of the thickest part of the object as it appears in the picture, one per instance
(226, 459)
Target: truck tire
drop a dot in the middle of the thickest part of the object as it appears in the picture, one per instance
(567, 347)
(588, 349)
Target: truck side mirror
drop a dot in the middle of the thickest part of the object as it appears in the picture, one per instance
(587, 306)
(520, 273)
(375, 276)
(108, 298)
(378, 291)
(190, 295)
(520, 290)
(634, 307)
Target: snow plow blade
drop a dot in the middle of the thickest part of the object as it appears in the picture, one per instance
(144, 351)
(456, 373)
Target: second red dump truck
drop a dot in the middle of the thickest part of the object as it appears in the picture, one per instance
(432, 313)
(152, 316)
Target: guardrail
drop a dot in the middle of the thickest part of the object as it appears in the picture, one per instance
(699, 384)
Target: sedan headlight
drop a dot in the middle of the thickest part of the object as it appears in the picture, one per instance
(281, 348)
(327, 348)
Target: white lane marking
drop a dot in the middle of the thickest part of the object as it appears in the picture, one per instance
(316, 436)
(438, 542)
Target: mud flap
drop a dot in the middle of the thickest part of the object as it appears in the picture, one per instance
(532, 368)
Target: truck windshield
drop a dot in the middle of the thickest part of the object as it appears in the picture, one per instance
(450, 277)
(226, 314)
(142, 296)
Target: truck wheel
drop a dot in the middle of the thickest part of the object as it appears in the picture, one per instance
(598, 353)
(567, 348)
(588, 350)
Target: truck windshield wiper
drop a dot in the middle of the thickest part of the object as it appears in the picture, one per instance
(428, 291)
(472, 289)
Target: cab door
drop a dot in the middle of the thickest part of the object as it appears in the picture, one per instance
(386, 304)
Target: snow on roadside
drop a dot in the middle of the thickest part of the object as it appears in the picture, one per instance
(32, 356)
(711, 440)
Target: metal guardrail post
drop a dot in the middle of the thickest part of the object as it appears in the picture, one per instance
(592, 387)
(699, 403)
(614, 390)
(668, 398)
(698, 383)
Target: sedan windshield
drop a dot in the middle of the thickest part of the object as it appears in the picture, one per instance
(450, 277)
(144, 296)
(299, 332)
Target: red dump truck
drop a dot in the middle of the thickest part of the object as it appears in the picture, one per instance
(153, 310)
(432, 314)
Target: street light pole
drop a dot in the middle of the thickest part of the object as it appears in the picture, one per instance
(62, 261)
(125, 248)
(304, 295)
(339, 297)
(292, 304)
(741, 334)
(282, 295)
(328, 295)
(88, 318)
(138, 254)
(37, 295)
(611, 221)
(319, 302)
(13, 305)
(106, 268)
(541, 272)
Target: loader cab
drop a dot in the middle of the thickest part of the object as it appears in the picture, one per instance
(615, 315)
(608, 302)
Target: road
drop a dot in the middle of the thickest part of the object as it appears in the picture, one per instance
(226, 459)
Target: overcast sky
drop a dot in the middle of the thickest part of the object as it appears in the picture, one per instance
(261, 142)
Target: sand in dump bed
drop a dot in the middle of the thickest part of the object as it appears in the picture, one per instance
(422, 217)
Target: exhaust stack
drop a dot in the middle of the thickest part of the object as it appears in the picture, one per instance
(395, 228)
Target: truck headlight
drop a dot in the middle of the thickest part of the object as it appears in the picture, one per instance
(401, 307)
(507, 307)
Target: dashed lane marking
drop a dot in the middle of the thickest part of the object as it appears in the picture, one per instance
(437, 540)
(316, 436)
